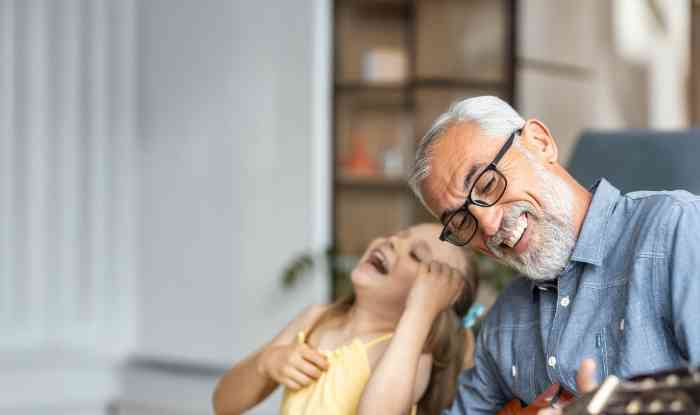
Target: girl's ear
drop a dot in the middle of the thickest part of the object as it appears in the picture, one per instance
(537, 138)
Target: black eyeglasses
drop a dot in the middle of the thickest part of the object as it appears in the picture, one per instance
(460, 225)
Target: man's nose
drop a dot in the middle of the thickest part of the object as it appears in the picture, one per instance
(489, 219)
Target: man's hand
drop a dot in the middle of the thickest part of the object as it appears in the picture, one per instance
(584, 383)
(437, 286)
(294, 365)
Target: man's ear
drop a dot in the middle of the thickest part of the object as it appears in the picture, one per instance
(537, 138)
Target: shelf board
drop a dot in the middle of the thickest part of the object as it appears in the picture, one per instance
(367, 86)
(386, 8)
(455, 83)
(372, 183)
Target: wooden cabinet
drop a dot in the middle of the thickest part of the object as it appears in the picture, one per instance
(694, 90)
(397, 65)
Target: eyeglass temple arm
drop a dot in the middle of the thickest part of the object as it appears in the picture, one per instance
(505, 147)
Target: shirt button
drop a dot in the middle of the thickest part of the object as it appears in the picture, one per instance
(565, 301)
(552, 361)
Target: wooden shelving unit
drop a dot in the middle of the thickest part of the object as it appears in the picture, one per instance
(452, 49)
(694, 90)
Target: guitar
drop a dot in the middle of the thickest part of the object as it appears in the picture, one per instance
(668, 392)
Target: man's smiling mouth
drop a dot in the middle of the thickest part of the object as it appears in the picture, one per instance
(514, 235)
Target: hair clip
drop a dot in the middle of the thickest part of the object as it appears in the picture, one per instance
(475, 311)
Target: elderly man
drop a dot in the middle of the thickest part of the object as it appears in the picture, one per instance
(608, 277)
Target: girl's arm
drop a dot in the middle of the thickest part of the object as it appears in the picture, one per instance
(403, 372)
(253, 379)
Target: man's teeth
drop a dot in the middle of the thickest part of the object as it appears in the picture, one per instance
(514, 235)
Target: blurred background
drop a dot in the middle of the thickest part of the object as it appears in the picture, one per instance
(179, 178)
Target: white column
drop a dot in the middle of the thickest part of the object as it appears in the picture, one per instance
(7, 165)
(125, 170)
(321, 148)
(68, 173)
(98, 277)
(69, 136)
(36, 158)
(67, 209)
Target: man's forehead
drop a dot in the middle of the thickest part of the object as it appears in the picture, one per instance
(459, 152)
(461, 145)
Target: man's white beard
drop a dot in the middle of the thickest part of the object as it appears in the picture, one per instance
(552, 237)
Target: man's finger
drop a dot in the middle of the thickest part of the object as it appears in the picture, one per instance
(585, 377)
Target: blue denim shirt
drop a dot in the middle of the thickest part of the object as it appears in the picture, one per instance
(629, 298)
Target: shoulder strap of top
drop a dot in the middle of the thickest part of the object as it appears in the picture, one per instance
(379, 339)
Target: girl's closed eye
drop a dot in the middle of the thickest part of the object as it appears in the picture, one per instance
(414, 256)
(420, 252)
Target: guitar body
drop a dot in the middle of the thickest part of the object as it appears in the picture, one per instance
(669, 392)
(542, 401)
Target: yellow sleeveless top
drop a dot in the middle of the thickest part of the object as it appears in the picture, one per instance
(339, 389)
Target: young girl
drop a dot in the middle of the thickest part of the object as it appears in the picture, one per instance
(395, 347)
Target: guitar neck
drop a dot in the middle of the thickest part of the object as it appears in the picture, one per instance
(669, 392)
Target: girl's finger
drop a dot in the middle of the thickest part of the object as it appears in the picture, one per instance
(423, 269)
(455, 297)
(314, 357)
(438, 268)
(309, 370)
(300, 378)
(291, 384)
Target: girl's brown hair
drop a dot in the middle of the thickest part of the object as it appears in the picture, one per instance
(446, 342)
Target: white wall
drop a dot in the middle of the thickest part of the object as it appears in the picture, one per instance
(67, 202)
(233, 118)
(162, 160)
(602, 64)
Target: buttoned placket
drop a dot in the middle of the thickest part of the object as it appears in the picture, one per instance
(563, 299)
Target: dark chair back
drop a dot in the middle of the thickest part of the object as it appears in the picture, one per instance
(639, 159)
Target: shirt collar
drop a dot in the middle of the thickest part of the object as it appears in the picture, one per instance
(588, 248)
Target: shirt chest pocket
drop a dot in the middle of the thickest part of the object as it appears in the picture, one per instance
(607, 343)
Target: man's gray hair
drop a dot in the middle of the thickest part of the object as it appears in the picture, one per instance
(494, 117)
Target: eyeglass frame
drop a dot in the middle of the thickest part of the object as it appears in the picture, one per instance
(471, 201)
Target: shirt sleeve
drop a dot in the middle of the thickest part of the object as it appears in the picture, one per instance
(479, 389)
(684, 279)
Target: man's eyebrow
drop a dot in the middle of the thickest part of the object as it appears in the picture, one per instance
(467, 180)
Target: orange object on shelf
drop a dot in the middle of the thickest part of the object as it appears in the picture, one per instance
(359, 162)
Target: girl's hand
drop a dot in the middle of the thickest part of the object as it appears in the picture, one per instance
(436, 287)
(295, 365)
